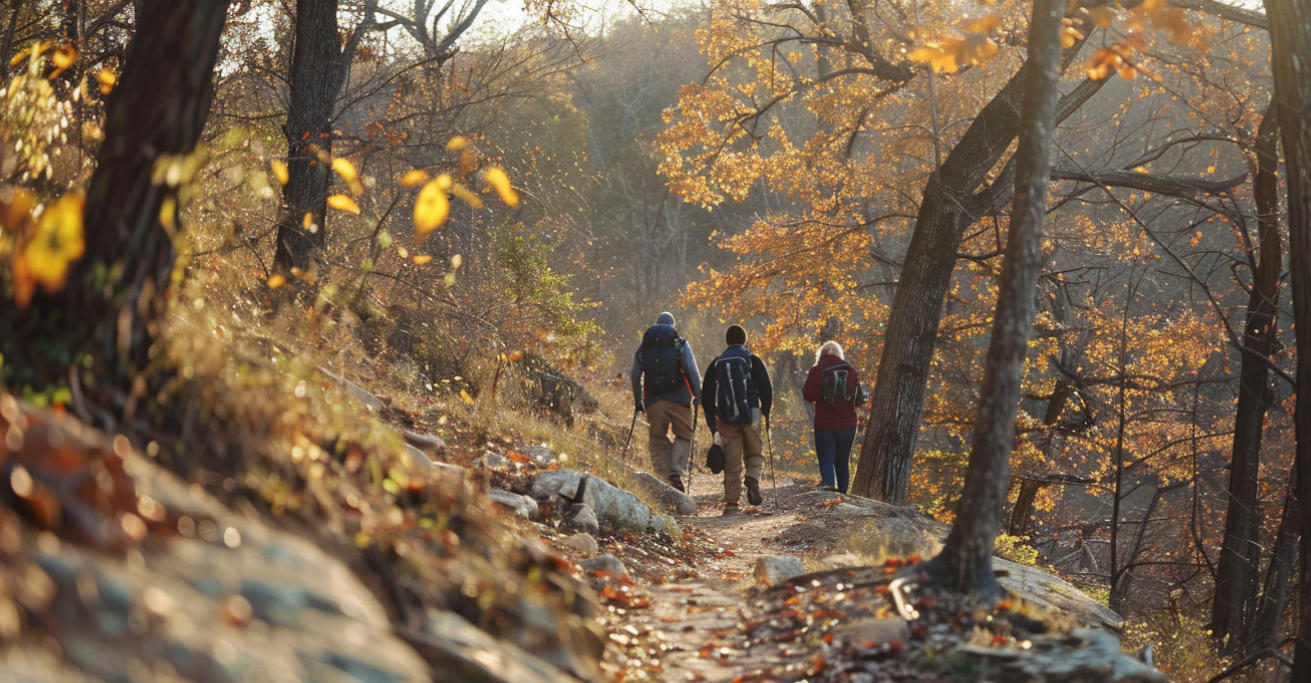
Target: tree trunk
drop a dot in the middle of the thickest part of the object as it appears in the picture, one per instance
(967, 555)
(1290, 57)
(117, 293)
(1240, 554)
(947, 208)
(1269, 610)
(317, 75)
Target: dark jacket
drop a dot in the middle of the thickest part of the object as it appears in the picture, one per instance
(837, 415)
(762, 395)
(683, 395)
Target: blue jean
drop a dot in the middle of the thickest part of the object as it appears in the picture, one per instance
(833, 446)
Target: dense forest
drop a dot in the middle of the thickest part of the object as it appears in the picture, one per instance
(252, 249)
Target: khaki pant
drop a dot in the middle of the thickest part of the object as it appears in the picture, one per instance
(669, 458)
(737, 439)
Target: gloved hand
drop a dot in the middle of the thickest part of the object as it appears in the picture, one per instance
(718, 441)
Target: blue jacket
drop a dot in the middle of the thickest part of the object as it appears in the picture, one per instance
(684, 394)
(762, 397)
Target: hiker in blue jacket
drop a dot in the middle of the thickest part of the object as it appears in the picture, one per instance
(735, 395)
(666, 383)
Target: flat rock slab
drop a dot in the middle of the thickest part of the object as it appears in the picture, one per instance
(774, 569)
(582, 542)
(1086, 654)
(605, 563)
(670, 498)
(428, 443)
(613, 506)
(524, 506)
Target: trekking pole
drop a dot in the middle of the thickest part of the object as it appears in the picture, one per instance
(623, 455)
(769, 439)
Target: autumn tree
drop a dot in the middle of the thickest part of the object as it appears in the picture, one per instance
(110, 313)
(966, 558)
(1290, 58)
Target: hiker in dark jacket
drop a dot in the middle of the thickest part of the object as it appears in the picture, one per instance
(666, 383)
(833, 385)
(735, 396)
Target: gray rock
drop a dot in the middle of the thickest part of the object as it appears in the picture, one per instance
(359, 393)
(772, 569)
(459, 651)
(1085, 654)
(605, 563)
(540, 453)
(494, 461)
(666, 524)
(523, 506)
(613, 506)
(428, 443)
(584, 519)
(416, 457)
(670, 498)
(843, 560)
(877, 631)
(582, 542)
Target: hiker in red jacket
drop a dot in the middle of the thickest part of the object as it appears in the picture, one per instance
(833, 385)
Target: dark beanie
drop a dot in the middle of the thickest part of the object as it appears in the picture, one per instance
(735, 335)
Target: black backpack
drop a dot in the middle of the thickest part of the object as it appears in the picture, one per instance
(840, 385)
(662, 360)
(733, 389)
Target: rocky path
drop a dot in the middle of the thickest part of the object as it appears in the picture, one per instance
(693, 629)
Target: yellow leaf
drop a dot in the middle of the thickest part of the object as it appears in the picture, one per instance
(444, 181)
(496, 177)
(307, 221)
(63, 58)
(516, 356)
(275, 281)
(468, 162)
(107, 79)
(168, 214)
(57, 243)
(984, 24)
(456, 262)
(304, 274)
(346, 170)
(457, 143)
(421, 259)
(405, 253)
(17, 212)
(467, 398)
(430, 209)
(414, 177)
(280, 172)
(341, 202)
(467, 195)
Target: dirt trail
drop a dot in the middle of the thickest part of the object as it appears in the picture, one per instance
(694, 627)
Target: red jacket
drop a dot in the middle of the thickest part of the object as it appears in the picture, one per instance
(828, 415)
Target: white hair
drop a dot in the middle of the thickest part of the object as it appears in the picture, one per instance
(829, 347)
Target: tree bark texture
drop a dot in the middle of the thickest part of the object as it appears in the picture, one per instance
(117, 293)
(949, 206)
(969, 546)
(317, 75)
(1264, 626)
(1237, 572)
(1290, 57)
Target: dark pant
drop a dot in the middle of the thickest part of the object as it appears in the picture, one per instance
(833, 446)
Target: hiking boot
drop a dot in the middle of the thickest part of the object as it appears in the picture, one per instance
(677, 482)
(753, 491)
(730, 509)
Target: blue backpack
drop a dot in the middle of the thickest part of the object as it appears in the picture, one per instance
(662, 360)
(734, 389)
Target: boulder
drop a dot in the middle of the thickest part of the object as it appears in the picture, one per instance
(494, 461)
(666, 524)
(523, 506)
(582, 542)
(772, 569)
(605, 563)
(417, 458)
(1084, 654)
(428, 443)
(461, 651)
(613, 506)
(670, 498)
(583, 519)
(877, 631)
